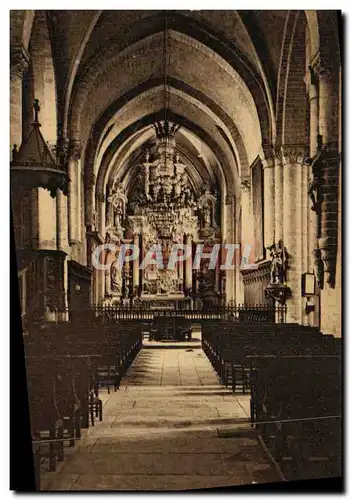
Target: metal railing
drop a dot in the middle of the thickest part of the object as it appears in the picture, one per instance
(241, 313)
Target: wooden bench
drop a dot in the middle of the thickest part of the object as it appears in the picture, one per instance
(296, 405)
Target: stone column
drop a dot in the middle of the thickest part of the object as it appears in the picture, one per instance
(269, 195)
(247, 232)
(61, 221)
(74, 192)
(328, 128)
(293, 160)
(311, 217)
(136, 242)
(278, 198)
(188, 268)
(19, 60)
(230, 237)
(247, 229)
(101, 213)
(89, 199)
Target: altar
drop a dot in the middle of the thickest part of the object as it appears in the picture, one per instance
(163, 210)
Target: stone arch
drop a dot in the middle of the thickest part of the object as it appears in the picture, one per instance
(21, 22)
(148, 120)
(295, 120)
(40, 81)
(229, 54)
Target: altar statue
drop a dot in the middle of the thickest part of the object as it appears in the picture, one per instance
(116, 277)
(207, 217)
(277, 263)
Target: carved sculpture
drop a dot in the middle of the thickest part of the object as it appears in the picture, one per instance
(318, 267)
(116, 277)
(277, 289)
(278, 263)
(314, 187)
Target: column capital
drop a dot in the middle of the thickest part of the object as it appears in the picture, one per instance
(74, 150)
(292, 154)
(230, 199)
(101, 198)
(321, 71)
(19, 62)
(268, 155)
(245, 186)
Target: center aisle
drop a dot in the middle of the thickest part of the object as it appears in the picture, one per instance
(171, 426)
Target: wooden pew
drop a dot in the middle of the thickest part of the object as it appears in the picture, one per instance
(296, 405)
(66, 364)
(46, 420)
(227, 345)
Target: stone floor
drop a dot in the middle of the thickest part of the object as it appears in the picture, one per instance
(172, 426)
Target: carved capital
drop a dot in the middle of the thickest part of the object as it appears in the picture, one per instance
(246, 186)
(321, 71)
(292, 154)
(74, 150)
(268, 156)
(101, 198)
(230, 199)
(19, 62)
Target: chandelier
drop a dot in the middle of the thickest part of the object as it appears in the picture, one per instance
(165, 179)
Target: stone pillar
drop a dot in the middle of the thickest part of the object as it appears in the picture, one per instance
(89, 199)
(311, 218)
(74, 202)
(61, 221)
(188, 268)
(19, 60)
(247, 228)
(64, 316)
(136, 242)
(328, 128)
(269, 195)
(293, 160)
(101, 213)
(230, 238)
(247, 231)
(278, 198)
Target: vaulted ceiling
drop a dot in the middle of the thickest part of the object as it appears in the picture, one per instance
(222, 81)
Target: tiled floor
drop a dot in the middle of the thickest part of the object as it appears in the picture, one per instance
(171, 426)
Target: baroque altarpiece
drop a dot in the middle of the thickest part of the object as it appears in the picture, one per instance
(163, 207)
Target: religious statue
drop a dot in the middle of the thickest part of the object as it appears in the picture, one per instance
(207, 218)
(314, 188)
(315, 194)
(118, 214)
(277, 263)
(318, 267)
(116, 277)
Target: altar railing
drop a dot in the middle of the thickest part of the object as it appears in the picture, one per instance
(257, 313)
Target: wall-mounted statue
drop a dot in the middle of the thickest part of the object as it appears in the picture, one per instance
(314, 193)
(318, 267)
(278, 263)
(116, 277)
(116, 210)
(207, 209)
(207, 215)
(314, 187)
